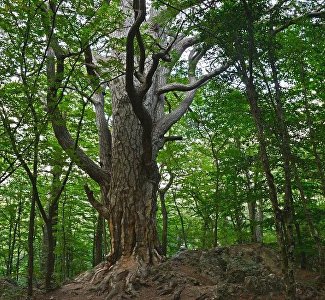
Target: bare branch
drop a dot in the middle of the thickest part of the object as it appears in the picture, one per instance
(172, 138)
(142, 52)
(313, 14)
(194, 85)
(277, 6)
(140, 12)
(135, 98)
(169, 183)
(165, 123)
(55, 75)
(104, 134)
(102, 210)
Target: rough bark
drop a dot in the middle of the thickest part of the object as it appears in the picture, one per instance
(133, 186)
(127, 174)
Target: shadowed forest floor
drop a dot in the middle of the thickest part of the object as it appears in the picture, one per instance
(236, 272)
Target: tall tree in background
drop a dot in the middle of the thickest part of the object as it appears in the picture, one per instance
(251, 40)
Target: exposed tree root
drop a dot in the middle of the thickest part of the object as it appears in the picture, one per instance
(237, 272)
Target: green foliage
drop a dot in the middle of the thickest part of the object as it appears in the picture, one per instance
(217, 168)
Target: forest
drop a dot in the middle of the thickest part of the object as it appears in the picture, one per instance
(163, 149)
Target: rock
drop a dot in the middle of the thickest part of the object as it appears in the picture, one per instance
(225, 273)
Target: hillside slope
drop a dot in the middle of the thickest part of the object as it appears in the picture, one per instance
(249, 271)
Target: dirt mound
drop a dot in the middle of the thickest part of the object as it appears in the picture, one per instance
(236, 272)
(9, 290)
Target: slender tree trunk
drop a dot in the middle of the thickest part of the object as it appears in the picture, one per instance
(312, 228)
(215, 229)
(105, 239)
(18, 256)
(182, 221)
(13, 228)
(216, 195)
(303, 257)
(14, 238)
(238, 226)
(10, 250)
(50, 244)
(287, 158)
(259, 219)
(98, 240)
(51, 219)
(31, 230)
(251, 204)
(280, 224)
(18, 251)
(310, 126)
(164, 213)
(162, 195)
(283, 219)
(68, 248)
(252, 219)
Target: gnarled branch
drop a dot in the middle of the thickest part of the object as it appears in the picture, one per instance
(102, 210)
(104, 134)
(55, 75)
(194, 85)
(165, 123)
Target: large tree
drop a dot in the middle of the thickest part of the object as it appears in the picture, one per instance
(145, 55)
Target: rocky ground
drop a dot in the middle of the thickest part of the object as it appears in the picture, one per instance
(236, 272)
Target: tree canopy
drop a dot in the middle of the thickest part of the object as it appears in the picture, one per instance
(131, 129)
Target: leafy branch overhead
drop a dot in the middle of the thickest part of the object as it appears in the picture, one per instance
(131, 130)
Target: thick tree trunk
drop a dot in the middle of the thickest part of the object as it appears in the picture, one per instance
(127, 172)
(134, 184)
